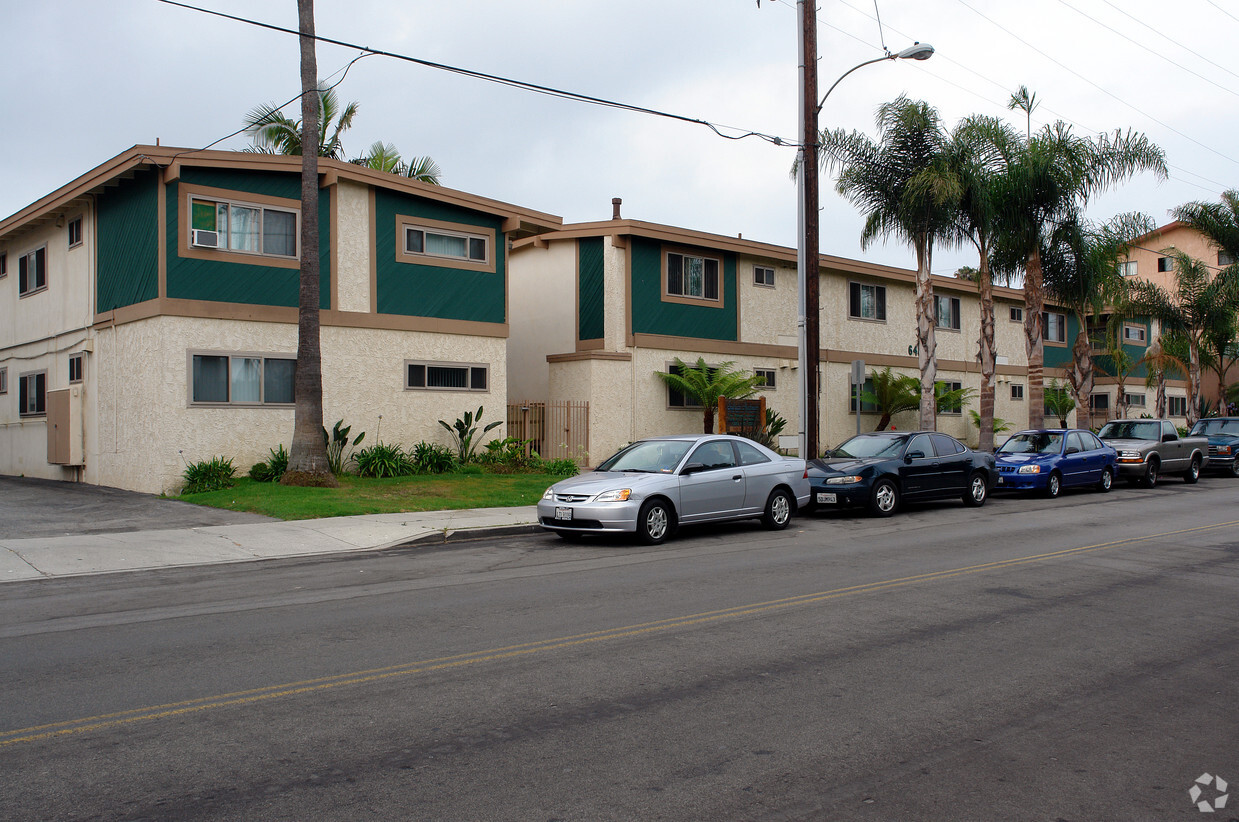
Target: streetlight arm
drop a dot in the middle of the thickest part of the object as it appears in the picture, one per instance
(849, 71)
(916, 51)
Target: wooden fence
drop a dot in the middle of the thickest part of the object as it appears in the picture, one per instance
(556, 430)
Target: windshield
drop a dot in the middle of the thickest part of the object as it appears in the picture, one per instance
(1207, 427)
(1132, 430)
(870, 445)
(648, 456)
(1034, 442)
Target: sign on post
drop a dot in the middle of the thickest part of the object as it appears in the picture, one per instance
(744, 417)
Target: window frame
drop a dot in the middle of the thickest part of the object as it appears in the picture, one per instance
(1099, 402)
(32, 254)
(953, 311)
(4, 264)
(672, 393)
(771, 383)
(1017, 313)
(77, 368)
(23, 394)
(1128, 268)
(854, 392)
(1141, 339)
(1173, 400)
(1224, 259)
(407, 222)
(1129, 399)
(468, 367)
(767, 280)
(188, 193)
(69, 229)
(1017, 386)
(953, 385)
(262, 356)
(4, 379)
(879, 301)
(1045, 328)
(1165, 265)
(669, 296)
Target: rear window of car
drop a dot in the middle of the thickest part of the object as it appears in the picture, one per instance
(946, 446)
(750, 455)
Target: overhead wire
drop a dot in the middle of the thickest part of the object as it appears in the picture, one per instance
(1168, 38)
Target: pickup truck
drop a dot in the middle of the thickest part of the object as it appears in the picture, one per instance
(1223, 434)
(1148, 449)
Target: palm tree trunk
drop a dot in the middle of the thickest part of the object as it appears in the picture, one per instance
(1034, 340)
(927, 342)
(1193, 364)
(1081, 376)
(307, 460)
(988, 353)
(1160, 402)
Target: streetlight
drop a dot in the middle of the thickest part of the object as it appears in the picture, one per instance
(808, 333)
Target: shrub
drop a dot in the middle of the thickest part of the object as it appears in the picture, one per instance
(463, 431)
(561, 468)
(273, 468)
(214, 474)
(431, 458)
(383, 460)
(336, 442)
(507, 456)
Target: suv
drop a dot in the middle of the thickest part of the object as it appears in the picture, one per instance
(1223, 434)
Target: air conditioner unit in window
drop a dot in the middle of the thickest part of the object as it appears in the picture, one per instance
(204, 239)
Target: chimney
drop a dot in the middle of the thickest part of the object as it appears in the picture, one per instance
(615, 208)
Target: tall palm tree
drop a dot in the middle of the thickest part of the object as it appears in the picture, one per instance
(706, 383)
(1049, 179)
(275, 133)
(1081, 272)
(981, 146)
(907, 187)
(1199, 301)
(1217, 221)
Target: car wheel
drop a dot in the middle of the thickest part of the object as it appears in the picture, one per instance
(1234, 467)
(1107, 480)
(1193, 472)
(1150, 476)
(654, 521)
(885, 499)
(1054, 485)
(778, 510)
(978, 490)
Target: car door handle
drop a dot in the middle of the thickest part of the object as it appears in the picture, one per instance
(738, 477)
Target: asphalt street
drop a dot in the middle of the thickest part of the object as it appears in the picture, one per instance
(1075, 659)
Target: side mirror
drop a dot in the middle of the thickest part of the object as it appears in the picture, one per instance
(913, 455)
(692, 468)
(1170, 437)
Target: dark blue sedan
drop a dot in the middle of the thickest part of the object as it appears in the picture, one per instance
(1051, 459)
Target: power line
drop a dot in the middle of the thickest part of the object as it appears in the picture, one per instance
(1169, 39)
(507, 81)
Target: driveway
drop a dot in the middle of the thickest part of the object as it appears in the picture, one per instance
(46, 508)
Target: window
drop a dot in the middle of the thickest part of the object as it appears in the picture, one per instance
(445, 376)
(75, 232)
(242, 379)
(867, 302)
(450, 245)
(866, 407)
(1017, 314)
(956, 407)
(1165, 264)
(690, 276)
(1099, 403)
(1176, 406)
(4, 380)
(1017, 391)
(1127, 269)
(715, 455)
(750, 455)
(4, 264)
(946, 446)
(763, 275)
(1134, 333)
(1224, 258)
(767, 374)
(75, 367)
(246, 228)
(32, 394)
(1055, 326)
(946, 312)
(1134, 400)
(674, 398)
(32, 272)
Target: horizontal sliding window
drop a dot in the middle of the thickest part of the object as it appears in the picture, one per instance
(446, 244)
(867, 302)
(242, 379)
(247, 228)
(446, 376)
(692, 276)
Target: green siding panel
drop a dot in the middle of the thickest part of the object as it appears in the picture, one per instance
(251, 284)
(435, 291)
(128, 244)
(651, 315)
(589, 289)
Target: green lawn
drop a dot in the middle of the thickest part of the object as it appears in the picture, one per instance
(434, 492)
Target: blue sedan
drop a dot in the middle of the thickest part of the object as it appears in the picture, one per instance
(1051, 459)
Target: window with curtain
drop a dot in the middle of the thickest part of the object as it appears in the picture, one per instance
(247, 228)
(447, 244)
(692, 276)
(242, 379)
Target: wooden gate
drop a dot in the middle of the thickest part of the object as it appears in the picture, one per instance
(556, 430)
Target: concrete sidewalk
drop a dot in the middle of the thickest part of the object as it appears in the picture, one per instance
(49, 557)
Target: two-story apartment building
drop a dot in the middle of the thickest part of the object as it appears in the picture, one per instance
(148, 312)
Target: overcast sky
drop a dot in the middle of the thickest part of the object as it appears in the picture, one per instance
(85, 79)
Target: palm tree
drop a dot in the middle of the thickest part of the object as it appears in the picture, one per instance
(891, 394)
(906, 186)
(706, 384)
(1059, 403)
(1199, 302)
(386, 157)
(1049, 179)
(981, 146)
(1082, 274)
(274, 133)
(1217, 221)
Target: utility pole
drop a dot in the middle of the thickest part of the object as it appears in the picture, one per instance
(809, 258)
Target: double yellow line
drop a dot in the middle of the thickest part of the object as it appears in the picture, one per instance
(111, 720)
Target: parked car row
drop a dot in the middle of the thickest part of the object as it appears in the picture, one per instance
(651, 487)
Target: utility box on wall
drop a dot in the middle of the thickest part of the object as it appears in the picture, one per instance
(64, 427)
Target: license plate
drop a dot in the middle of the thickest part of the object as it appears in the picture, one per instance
(563, 513)
(826, 498)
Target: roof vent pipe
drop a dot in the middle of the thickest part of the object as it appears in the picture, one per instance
(615, 207)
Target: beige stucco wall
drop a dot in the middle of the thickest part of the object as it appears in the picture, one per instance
(147, 430)
(352, 245)
(1165, 242)
(542, 301)
(767, 315)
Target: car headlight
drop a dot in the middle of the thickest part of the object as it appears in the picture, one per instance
(550, 494)
(842, 480)
(1223, 449)
(1129, 455)
(618, 495)
(1029, 469)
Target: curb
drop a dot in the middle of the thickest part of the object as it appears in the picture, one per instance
(468, 535)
